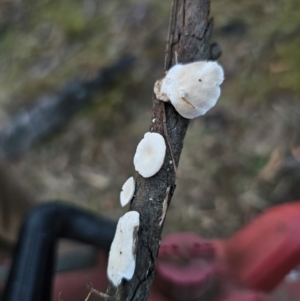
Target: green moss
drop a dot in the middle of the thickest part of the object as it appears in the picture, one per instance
(8, 43)
(68, 15)
(256, 163)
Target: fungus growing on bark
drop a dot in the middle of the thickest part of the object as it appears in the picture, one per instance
(127, 192)
(150, 154)
(121, 261)
(193, 89)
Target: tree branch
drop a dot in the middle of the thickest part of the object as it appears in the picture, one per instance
(188, 41)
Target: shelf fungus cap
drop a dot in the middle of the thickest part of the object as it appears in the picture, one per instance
(150, 154)
(127, 192)
(194, 88)
(121, 261)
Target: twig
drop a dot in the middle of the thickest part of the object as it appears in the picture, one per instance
(105, 296)
(102, 295)
(189, 34)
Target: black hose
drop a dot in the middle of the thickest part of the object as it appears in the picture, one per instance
(32, 270)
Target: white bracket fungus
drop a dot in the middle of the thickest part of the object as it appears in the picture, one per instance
(193, 89)
(127, 192)
(121, 261)
(150, 154)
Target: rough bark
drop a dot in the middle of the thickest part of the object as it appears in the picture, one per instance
(188, 41)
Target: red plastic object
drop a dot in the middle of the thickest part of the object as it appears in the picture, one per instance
(186, 267)
(262, 253)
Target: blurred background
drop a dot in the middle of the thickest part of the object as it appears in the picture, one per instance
(240, 158)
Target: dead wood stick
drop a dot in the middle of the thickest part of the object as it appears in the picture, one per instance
(188, 41)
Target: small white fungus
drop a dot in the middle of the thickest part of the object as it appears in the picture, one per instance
(127, 192)
(121, 261)
(150, 154)
(193, 89)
